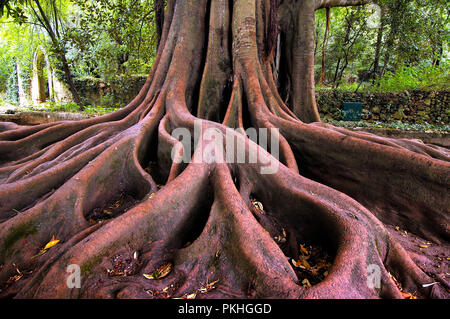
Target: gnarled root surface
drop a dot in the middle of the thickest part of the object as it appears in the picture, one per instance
(108, 190)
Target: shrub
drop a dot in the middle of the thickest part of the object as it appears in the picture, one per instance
(415, 78)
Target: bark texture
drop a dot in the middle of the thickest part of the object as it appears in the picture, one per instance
(107, 188)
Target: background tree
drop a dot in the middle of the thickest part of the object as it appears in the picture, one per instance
(17, 46)
(107, 188)
(48, 16)
(403, 46)
(111, 38)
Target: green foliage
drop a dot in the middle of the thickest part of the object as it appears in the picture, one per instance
(108, 40)
(14, 9)
(12, 88)
(16, 47)
(411, 78)
(112, 38)
(412, 37)
(70, 108)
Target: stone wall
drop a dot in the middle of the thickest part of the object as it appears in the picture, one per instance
(414, 107)
(119, 92)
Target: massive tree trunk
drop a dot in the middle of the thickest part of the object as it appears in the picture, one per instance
(349, 203)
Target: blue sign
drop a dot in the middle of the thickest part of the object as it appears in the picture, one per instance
(352, 111)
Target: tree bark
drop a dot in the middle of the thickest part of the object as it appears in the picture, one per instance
(112, 191)
(298, 20)
(159, 18)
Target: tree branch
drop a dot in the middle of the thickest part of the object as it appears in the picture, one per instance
(320, 4)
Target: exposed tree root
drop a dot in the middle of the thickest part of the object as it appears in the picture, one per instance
(122, 206)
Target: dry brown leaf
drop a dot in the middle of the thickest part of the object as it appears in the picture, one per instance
(297, 264)
(304, 250)
(407, 295)
(208, 287)
(306, 283)
(161, 272)
(306, 264)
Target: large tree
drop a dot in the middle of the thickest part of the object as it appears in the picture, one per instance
(107, 188)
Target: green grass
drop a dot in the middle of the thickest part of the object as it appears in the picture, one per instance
(393, 125)
(71, 108)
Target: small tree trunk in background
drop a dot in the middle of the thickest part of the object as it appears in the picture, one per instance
(440, 51)
(376, 62)
(69, 79)
(324, 47)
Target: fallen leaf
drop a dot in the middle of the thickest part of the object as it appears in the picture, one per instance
(423, 246)
(303, 249)
(51, 243)
(161, 272)
(429, 285)
(280, 239)
(301, 264)
(191, 296)
(258, 205)
(306, 264)
(306, 283)
(213, 283)
(407, 295)
(208, 287)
